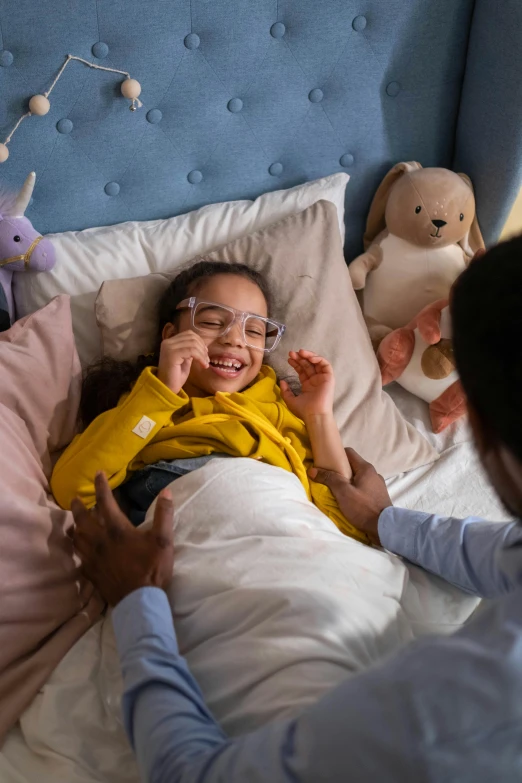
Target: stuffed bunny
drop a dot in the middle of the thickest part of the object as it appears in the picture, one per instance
(421, 233)
(419, 357)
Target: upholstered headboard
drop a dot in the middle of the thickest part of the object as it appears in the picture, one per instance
(245, 96)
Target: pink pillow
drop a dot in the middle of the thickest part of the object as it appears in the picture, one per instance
(44, 604)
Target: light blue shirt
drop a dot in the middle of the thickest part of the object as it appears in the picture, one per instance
(445, 709)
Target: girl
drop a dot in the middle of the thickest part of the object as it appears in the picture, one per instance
(205, 393)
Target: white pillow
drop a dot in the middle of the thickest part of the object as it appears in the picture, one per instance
(86, 258)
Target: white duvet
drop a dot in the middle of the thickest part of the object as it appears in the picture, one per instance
(273, 607)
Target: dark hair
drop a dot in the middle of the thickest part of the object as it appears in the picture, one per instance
(105, 381)
(486, 309)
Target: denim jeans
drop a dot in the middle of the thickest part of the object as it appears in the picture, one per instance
(137, 494)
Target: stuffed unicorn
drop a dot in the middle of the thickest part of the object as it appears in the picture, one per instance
(21, 247)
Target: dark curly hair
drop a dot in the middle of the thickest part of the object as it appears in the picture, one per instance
(105, 381)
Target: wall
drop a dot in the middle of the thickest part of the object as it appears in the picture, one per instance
(514, 221)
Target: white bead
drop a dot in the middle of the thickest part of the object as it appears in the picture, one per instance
(130, 88)
(39, 105)
(4, 153)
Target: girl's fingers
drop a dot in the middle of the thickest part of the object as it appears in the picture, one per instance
(299, 370)
(311, 356)
(307, 367)
(319, 362)
(323, 366)
(187, 352)
(286, 391)
(310, 362)
(186, 339)
(201, 357)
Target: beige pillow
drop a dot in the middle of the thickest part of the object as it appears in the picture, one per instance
(302, 258)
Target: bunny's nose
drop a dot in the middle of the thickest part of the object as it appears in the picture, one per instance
(439, 223)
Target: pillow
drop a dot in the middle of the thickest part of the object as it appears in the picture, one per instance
(44, 605)
(302, 259)
(86, 258)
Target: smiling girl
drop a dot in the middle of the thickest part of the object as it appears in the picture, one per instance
(205, 393)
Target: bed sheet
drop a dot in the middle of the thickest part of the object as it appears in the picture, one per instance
(255, 671)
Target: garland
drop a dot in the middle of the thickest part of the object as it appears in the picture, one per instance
(39, 105)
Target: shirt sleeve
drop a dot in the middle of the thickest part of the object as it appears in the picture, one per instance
(114, 439)
(387, 723)
(177, 740)
(464, 552)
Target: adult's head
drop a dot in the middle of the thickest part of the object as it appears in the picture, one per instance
(486, 309)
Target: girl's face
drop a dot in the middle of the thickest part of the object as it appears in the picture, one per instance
(241, 294)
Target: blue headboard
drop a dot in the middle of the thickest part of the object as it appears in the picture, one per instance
(245, 96)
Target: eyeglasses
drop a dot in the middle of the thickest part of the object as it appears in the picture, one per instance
(211, 319)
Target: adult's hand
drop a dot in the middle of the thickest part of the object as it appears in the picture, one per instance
(116, 557)
(362, 498)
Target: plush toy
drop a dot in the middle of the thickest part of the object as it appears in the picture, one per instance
(21, 247)
(420, 358)
(421, 233)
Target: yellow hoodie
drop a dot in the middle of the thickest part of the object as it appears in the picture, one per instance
(151, 423)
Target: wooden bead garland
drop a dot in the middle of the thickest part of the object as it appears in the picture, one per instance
(39, 105)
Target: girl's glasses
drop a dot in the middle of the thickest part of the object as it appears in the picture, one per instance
(211, 319)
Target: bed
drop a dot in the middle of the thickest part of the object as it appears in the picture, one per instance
(243, 98)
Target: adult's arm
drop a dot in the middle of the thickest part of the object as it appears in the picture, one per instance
(389, 723)
(461, 551)
(464, 552)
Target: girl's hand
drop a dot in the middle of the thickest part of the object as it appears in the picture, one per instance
(317, 385)
(176, 356)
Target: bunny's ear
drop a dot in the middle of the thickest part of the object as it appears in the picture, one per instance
(375, 223)
(473, 240)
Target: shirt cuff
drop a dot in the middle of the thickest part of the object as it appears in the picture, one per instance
(144, 613)
(398, 530)
(149, 379)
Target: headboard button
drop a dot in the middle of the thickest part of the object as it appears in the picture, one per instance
(112, 188)
(359, 24)
(192, 41)
(64, 126)
(154, 116)
(393, 89)
(277, 30)
(276, 169)
(234, 105)
(195, 177)
(100, 50)
(6, 58)
(315, 96)
(347, 160)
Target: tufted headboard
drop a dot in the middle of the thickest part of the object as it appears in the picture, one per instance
(246, 96)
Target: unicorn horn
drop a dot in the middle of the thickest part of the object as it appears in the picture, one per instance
(23, 198)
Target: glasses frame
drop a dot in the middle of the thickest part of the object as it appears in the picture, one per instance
(239, 316)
